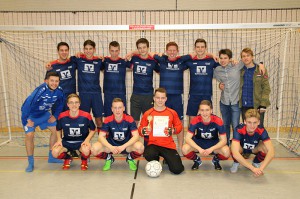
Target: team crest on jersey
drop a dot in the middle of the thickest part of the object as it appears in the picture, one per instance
(207, 63)
(112, 68)
(74, 132)
(172, 66)
(66, 74)
(89, 68)
(206, 135)
(201, 70)
(142, 70)
(249, 146)
(119, 136)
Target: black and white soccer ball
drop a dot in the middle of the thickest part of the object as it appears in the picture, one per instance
(153, 168)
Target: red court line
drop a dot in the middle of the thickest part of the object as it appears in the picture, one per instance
(123, 158)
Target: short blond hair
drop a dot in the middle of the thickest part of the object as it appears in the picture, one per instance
(206, 102)
(73, 95)
(247, 51)
(252, 113)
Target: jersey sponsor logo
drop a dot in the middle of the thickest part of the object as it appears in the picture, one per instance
(95, 62)
(66, 74)
(74, 132)
(142, 70)
(172, 66)
(207, 63)
(89, 68)
(249, 146)
(119, 136)
(213, 129)
(255, 142)
(80, 125)
(124, 129)
(112, 68)
(70, 66)
(147, 64)
(67, 124)
(206, 135)
(201, 70)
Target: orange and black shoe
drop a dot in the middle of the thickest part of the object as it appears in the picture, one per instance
(67, 164)
(84, 165)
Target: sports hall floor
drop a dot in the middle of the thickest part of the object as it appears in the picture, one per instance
(281, 179)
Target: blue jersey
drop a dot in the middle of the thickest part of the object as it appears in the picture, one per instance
(118, 133)
(249, 142)
(207, 131)
(67, 74)
(89, 74)
(201, 75)
(40, 101)
(171, 73)
(115, 76)
(143, 74)
(75, 129)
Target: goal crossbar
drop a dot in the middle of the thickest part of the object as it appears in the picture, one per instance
(149, 27)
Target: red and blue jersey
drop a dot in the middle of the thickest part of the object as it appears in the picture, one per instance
(249, 142)
(171, 73)
(207, 131)
(89, 74)
(75, 129)
(115, 76)
(118, 133)
(67, 74)
(201, 75)
(143, 74)
(40, 101)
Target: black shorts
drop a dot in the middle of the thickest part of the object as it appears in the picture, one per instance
(71, 146)
(140, 104)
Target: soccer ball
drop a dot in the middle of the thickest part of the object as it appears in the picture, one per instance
(153, 168)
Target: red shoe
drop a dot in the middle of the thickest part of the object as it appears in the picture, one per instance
(67, 164)
(84, 165)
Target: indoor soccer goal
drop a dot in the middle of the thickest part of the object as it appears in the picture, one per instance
(24, 50)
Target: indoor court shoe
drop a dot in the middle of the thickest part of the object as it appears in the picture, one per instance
(84, 165)
(74, 154)
(51, 159)
(67, 164)
(217, 165)
(108, 164)
(132, 165)
(196, 165)
(256, 165)
(235, 167)
(29, 168)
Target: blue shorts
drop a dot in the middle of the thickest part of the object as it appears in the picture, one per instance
(205, 144)
(193, 103)
(175, 102)
(108, 98)
(41, 121)
(71, 146)
(92, 101)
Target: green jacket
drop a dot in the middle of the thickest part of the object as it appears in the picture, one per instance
(261, 88)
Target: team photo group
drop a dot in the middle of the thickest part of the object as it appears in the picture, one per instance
(156, 114)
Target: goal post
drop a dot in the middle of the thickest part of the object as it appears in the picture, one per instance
(276, 44)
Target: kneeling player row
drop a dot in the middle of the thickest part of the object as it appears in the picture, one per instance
(119, 134)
